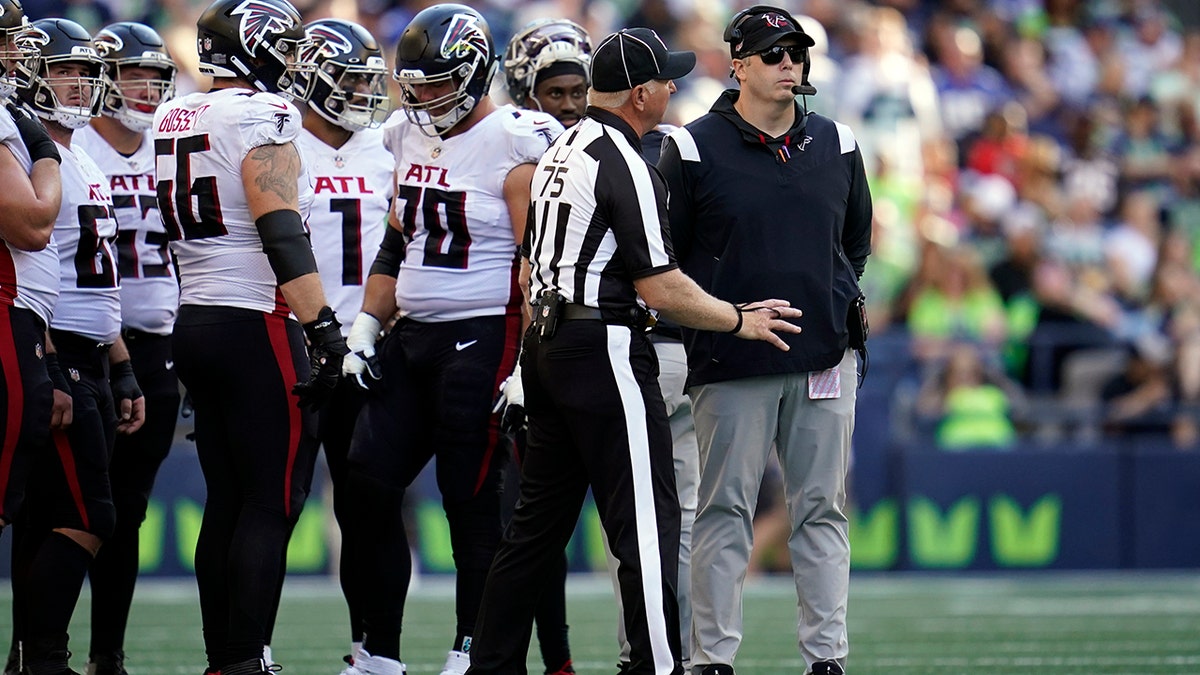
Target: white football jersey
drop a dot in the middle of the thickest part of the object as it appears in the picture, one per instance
(89, 300)
(149, 291)
(200, 141)
(352, 188)
(460, 259)
(27, 279)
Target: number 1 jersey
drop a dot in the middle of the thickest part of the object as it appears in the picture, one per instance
(352, 186)
(460, 257)
(200, 141)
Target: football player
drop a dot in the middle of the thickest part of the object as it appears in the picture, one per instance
(70, 510)
(345, 88)
(29, 288)
(545, 68)
(233, 192)
(140, 75)
(448, 262)
(29, 204)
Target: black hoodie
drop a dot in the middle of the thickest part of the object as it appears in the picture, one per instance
(754, 218)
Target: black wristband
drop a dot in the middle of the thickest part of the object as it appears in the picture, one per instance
(56, 374)
(738, 326)
(123, 382)
(324, 329)
(286, 244)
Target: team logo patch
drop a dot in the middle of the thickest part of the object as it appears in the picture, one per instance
(465, 37)
(324, 42)
(437, 152)
(775, 20)
(74, 374)
(107, 42)
(281, 120)
(32, 39)
(38, 351)
(260, 20)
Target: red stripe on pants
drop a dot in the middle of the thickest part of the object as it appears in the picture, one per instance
(277, 334)
(15, 410)
(63, 445)
(512, 325)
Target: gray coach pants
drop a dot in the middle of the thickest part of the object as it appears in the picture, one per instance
(737, 423)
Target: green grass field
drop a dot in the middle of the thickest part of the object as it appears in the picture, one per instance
(1119, 622)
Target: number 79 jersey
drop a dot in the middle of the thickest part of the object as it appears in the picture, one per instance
(460, 255)
(200, 141)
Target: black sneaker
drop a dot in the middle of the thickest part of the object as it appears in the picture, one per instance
(827, 668)
(716, 669)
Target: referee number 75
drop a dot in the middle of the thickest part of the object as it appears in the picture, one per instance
(556, 174)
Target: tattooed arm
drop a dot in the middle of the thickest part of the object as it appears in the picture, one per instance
(269, 176)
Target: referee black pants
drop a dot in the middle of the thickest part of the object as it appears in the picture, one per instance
(596, 419)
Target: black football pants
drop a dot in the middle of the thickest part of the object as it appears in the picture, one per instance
(596, 419)
(135, 462)
(257, 449)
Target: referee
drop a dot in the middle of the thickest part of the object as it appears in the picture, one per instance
(598, 255)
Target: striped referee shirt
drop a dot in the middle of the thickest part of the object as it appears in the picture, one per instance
(597, 218)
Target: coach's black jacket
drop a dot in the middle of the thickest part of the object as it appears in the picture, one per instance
(754, 218)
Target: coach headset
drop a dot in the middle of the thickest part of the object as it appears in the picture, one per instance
(733, 35)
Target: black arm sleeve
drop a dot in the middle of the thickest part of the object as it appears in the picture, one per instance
(286, 244)
(391, 253)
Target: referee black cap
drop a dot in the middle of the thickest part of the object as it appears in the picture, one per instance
(760, 27)
(634, 56)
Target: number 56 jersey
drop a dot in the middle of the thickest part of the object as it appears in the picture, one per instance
(200, 141)
(460, 257)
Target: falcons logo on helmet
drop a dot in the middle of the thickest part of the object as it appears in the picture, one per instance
(325, 42)
(32, 39)
(107, 42)
(260, 20)
(464, 37)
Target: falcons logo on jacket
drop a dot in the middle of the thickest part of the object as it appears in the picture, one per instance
(260, 21)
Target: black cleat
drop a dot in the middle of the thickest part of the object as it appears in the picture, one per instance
(717, 669)
(827, 668)
(106, 664)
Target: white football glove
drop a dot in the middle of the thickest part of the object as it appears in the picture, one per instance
(512, 401)
(361, 363)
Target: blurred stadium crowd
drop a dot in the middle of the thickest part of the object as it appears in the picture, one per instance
(1035, 166)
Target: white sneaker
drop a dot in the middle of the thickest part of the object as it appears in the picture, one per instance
(456, 663)
(365, 664)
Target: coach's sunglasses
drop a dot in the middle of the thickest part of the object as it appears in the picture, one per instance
(773, 55)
